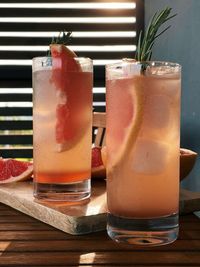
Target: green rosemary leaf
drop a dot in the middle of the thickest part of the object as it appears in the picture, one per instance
(147, 39)
(139, 45)
(162, 31)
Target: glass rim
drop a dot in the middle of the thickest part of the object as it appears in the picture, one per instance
(151, 63)
(84, 59)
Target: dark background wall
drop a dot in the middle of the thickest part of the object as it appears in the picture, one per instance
(181, 44)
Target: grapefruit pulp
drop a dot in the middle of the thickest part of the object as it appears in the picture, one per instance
(71, 98)
(12, 170)
(98, 168)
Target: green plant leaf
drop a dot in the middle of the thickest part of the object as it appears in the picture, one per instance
(147, 39)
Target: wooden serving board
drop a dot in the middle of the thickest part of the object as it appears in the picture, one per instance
(87, 217)
(90, 216)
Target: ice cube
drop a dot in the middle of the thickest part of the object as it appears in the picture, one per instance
(149, 157)
(168, 71)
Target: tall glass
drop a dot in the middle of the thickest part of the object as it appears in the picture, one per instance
(62, 130)
(143, 135)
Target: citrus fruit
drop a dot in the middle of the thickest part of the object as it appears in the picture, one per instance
(104, 155)
(63, 61)
(12, 170)
(98, 169)
(187, 161)
(72, 96)
(125, 99)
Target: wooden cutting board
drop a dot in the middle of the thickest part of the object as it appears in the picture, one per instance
(90, 216)
(87, 217)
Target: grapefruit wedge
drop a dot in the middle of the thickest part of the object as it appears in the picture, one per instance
(126, 116)
(12, 170)
(69, 96)
(63, 61)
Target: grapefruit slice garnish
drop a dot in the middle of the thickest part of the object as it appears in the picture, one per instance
(12, 170)
(126, 122)
(69, 99)
(63, 61)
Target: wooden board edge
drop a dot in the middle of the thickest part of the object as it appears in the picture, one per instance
(68, 224)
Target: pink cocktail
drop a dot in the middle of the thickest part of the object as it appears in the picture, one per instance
(143, 135)
(62, 123)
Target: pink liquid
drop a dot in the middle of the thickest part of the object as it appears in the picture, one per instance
(70, 161)
(145, 184)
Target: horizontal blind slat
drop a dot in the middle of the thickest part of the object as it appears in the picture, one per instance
(16, 139)
(14, 83)
(19, 152)
(67, 26)
(99, 109)
(92, 55)
(100, 97)
(55, 12)
(75, 41)
(25, 72)
(14, 72)
(16, 111)
(15, 97)
(16, 125)
(21, 83)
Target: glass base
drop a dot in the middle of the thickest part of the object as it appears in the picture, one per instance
(71, 192)
(145, 232)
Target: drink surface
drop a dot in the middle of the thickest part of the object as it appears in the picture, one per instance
(55, 160)
(143, 181)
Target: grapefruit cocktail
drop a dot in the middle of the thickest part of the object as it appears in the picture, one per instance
(62, 116)
(143, 114)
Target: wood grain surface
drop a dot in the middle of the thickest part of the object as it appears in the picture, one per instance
(24, 241)
(76, 218)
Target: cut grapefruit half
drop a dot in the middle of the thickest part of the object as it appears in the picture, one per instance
(126, 119)
(70, 98)
(104, 155)
(12, 170)
(187, 161)
(98, 168)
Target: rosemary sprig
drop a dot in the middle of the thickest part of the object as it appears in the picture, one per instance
(147, 39)
(63, 38)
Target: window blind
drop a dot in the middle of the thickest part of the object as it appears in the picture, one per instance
(102, 30)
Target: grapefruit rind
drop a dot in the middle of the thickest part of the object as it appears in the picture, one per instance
(98, 168)
(187, 161)
(59, 48)
(135, 125)
(22, 177)
(63, 59)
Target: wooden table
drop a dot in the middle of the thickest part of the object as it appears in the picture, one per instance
(25, 241)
